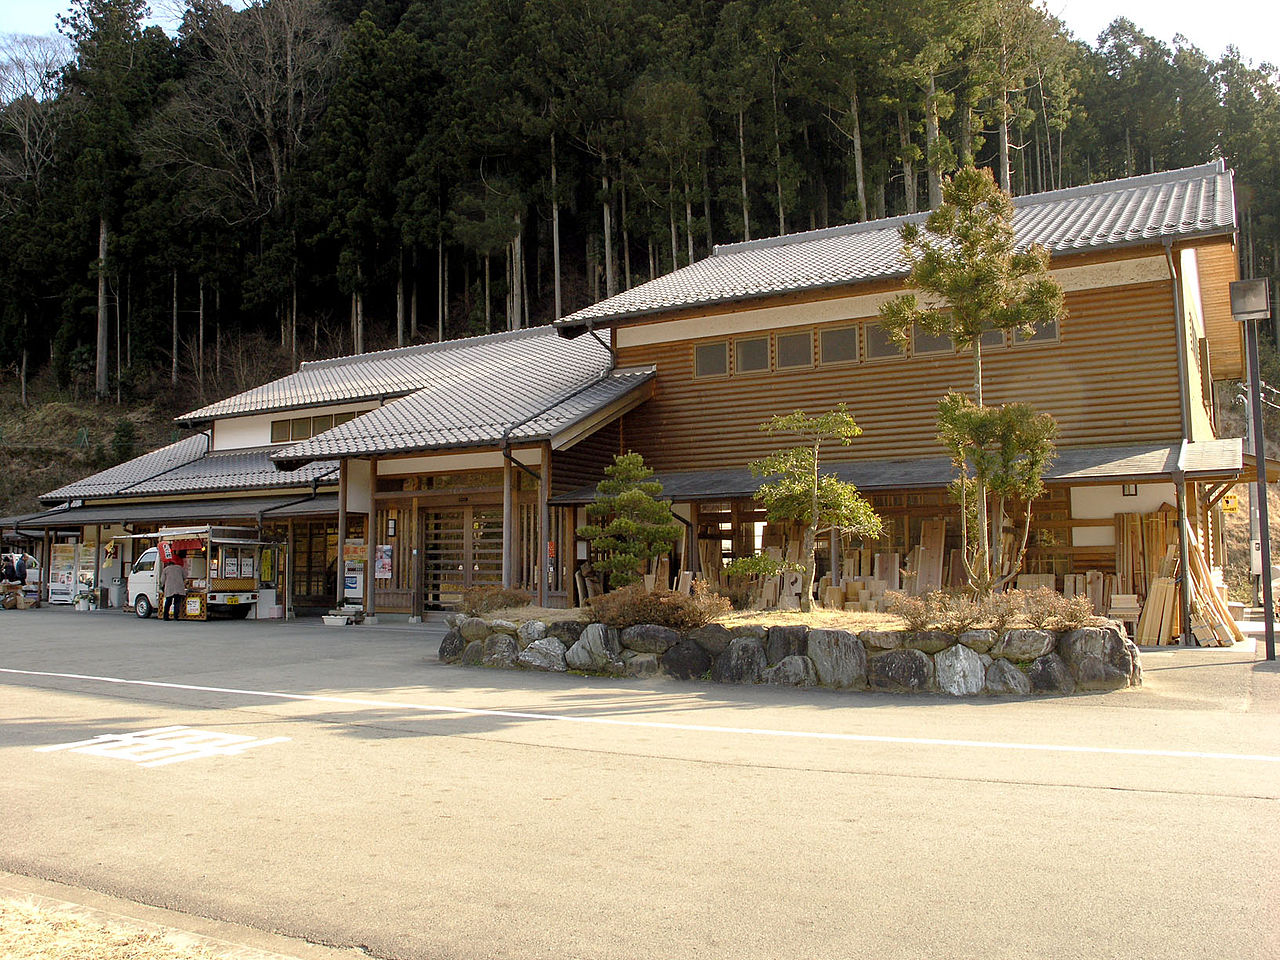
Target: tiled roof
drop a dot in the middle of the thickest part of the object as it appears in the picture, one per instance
(111, 481)
(382, 375)
(184, 467)
(479, 398)
(1195, 201)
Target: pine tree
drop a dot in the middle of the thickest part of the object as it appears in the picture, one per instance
(632, 525)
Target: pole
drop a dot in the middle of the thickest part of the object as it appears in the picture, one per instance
(1259, 453)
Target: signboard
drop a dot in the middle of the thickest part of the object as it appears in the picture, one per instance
(62, 573)
(353, 551)
(382, 562)
(1231, 503)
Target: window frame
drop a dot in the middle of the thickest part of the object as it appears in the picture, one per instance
(738, 342)
(1018, 340)
(718, 375)
(895, 354)
(938, 351)
(807, 364)
(857, 357)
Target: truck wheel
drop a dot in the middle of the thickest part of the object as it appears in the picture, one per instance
(142, 607)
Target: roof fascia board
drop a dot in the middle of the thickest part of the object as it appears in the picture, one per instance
(603, 417)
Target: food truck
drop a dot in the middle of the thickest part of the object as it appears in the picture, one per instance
(223, 568)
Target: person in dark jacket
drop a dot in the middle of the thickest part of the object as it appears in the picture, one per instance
(173, 582)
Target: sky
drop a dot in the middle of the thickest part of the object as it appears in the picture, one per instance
(1251, 25)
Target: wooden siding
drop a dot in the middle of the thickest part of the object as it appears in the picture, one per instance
(1218, 268)
(584, 462)
(1111, 378)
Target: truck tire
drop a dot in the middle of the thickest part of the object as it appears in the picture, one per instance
(142, 607)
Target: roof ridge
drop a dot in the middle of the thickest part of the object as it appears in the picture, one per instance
(1178, 175)
(440, 346)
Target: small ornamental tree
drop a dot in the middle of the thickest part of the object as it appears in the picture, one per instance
(631, 525)
(1000, 454)
(796, 491)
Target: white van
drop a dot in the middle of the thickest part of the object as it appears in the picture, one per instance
(221, 566)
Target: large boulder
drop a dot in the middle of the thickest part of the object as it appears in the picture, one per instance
(786, 641)
(649, 638)
(713, 638)
(839, 658)
(792, 671)
(640, 664)
(1100, 658)
(546, 654)
(959, 671)
(504, 626)
(875, 640)
(500, 650)
(1005, 678)
(596, 650)
(928, 641)
(741, 663)
(979, 641)
(566, 631)
(473, 628)
(756, 631)
(687, 660)
(1023, 645)
(530, 631)
(1050, 674)
(473, 653)
(451, 647)
(900, 671)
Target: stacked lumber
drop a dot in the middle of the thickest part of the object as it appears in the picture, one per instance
(1215, 626)
(1099, 587)
(930, 556)
(1160, 623)
(1142, 544)
(1030, 581)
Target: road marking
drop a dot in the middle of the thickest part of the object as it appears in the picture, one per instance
(656, 725)
(164, 745)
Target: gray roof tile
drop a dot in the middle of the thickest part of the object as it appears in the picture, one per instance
(1178, 203)
(111, 481)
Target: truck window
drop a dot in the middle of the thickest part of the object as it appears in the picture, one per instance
(145, 562)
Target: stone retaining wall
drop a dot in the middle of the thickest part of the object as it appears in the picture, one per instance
(978, 662)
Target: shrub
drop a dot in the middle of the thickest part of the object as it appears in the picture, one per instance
(1000, 610)
(632, 604)
(954, 612)
(1073, 612)
(478, 600)
(917, 611)
(1040, 606)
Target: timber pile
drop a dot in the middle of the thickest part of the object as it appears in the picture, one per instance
(1099, 587)
(1142, 543)
(1161, 620)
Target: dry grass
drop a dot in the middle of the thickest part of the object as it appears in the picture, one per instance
(818, 617)
(28, 932)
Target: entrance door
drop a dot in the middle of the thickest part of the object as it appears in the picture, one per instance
(462, 548)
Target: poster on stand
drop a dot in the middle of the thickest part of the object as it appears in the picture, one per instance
(382, 562)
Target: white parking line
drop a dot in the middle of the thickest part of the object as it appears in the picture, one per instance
(656, 725)
(164, 745)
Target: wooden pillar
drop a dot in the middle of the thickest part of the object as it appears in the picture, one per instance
(286, 574)
(371, 534)
(1180, 491)
(46, 570)
(417, 559)
(544, 523)
(342, 529)
(509, 532)
(97, 561)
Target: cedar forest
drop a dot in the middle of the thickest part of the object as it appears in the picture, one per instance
(306, 178)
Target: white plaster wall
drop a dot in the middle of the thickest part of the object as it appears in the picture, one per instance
(237, 433)
(1104, 502)
(359, 487)
(1190, 268)
(447, 462)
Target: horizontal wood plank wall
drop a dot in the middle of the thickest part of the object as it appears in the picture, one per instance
(584, 462)
(1111, 378)
(1218, 267)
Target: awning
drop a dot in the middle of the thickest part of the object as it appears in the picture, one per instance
(231, 508)
(1131, 463)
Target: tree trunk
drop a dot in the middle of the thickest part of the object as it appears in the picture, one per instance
(908, 167)
(173, 372)
(217, 332)
(688, 218)
(931, 145)
(23, 373)
(706, 205)
(413, 295)
(488, 295)
(671, 219)
(200, 341)
(1006, 173)
(606, 209)
(517, 276)
(400, 328)
(439, 286)
(555, 229)
(859, 169)
(100, 368)
(742, 163)
(626, 241)
(777, 151)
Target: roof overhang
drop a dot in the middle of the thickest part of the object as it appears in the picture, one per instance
(222, 509)
(1206, 461)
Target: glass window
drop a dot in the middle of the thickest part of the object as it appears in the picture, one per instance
(839, 346)
(751, 356)
(340, 418)
(993, 338)
(1045, 333)
(711, 360)
(795, 350)
(922, 341)
(879, 345)
(279, 431)
(320, 424)
(300, 429)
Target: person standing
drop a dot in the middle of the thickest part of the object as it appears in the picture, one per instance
(174, 584)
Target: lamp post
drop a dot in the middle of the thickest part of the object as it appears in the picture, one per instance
(1251, 302)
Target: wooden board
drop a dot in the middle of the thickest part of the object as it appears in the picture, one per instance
(933, 541)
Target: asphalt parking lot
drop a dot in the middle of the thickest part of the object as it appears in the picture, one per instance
(339, 786)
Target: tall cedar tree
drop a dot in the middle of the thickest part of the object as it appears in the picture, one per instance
(797, 493)
(632, 525)
(975, 281)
